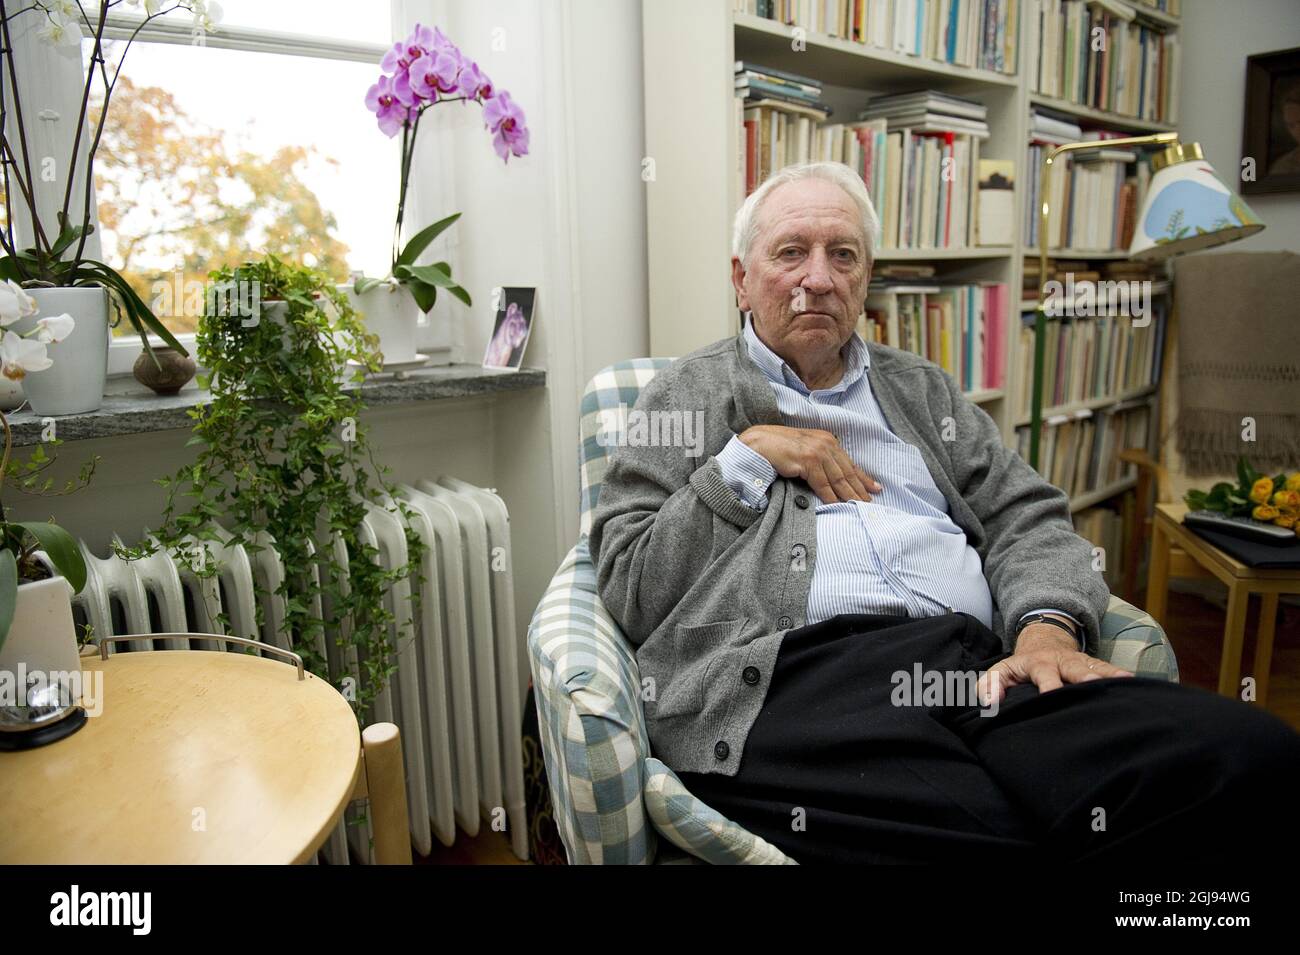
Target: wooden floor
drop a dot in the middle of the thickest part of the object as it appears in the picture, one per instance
(487, 848)
(1195, 629)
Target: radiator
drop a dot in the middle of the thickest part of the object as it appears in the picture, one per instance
(462, 679)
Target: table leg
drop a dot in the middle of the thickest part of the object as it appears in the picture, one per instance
(1234, 632)
(386, 784)
(1264, 646)
(1158, 579)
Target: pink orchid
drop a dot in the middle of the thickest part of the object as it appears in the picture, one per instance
(506, 120)
(386, 103)
(434, 74)
(474, 83)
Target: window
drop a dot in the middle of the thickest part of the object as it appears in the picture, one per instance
(256, 139)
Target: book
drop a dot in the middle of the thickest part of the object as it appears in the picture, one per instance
(996, 201)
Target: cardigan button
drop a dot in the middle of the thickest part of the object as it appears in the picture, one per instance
(798, 550)
(721, 750)
(784, 623)
(750, 675)
(801, 501)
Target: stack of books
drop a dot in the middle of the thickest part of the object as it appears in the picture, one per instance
(1128, 66)
(757, 84)
(975, 33)
(1095, 193)
(961, 328)
(928, 111)
(778, 114)
(1079, 453)
(1091, 358)
(918, 154)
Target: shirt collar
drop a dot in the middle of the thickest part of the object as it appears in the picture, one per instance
(856, 356)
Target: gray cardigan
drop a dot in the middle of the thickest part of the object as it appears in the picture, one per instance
(707, 587)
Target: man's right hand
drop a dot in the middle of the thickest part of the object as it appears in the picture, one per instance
(816, 457)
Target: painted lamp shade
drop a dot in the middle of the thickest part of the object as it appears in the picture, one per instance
(1187, 208)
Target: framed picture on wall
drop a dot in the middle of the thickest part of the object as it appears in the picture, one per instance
(514, 324)
(1272, 122)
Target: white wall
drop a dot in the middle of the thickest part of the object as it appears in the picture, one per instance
(1217, 37)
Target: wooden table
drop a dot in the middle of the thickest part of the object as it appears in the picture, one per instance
(1177, 551)
(197, 757)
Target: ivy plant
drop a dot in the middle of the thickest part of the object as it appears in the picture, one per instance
(281, 449)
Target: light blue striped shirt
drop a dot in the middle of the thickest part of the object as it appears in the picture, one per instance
(901, 552)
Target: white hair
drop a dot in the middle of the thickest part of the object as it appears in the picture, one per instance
(746, 226)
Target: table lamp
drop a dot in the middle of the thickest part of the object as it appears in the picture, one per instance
(1186, 209)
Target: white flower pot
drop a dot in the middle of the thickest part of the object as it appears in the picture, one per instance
(390, 312)
(75, 382)
(43, 636)
(11, 393)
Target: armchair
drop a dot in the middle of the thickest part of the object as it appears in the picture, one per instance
(612, 800)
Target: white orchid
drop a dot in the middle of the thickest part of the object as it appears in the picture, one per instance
(20, 355)
(68, 9)
(151, 7)
(15, 303)
(60, 32)
(207, 14)
(52, 330)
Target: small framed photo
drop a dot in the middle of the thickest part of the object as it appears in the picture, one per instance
(1272, 126)
(514, 325)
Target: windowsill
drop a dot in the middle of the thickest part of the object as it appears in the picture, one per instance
(130, 408)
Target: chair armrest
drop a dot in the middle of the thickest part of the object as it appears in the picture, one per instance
(1132, 640)
(587, 689)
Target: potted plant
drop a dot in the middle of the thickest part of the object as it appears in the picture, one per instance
(282, 450)
(1270, 499)
(56, 269)
(419, 72)
(38, 643)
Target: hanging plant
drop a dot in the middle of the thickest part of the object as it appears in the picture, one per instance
(282, 450)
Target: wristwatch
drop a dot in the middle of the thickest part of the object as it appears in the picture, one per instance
(1054, 621)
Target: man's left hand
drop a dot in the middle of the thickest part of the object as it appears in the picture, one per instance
(1046, 657)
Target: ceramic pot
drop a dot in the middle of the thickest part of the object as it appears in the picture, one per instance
(390, 312)
(42, 635)
(75, 382)
(11, 393)
(172, 372)
(41, 668)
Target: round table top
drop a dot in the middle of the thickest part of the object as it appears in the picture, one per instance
(197, 757)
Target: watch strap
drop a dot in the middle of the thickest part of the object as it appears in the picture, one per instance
(1054, 621)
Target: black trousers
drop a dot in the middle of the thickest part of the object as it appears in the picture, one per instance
(1122, 769)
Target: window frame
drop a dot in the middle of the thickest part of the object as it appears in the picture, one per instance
(123, 351)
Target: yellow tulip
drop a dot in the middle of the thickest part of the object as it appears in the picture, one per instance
(1293, 482)
(1262, 490)
(1284, 520)
(1264, 513)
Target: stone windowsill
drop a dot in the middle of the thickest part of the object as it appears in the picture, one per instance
(130, 408)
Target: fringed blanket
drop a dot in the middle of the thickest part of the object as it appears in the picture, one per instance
(1238, 360)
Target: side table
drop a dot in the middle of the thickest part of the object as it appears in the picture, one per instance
(1178, 551)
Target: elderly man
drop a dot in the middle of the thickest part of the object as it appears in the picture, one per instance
(857, 525)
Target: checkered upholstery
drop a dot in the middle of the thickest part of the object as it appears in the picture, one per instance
(587, 688)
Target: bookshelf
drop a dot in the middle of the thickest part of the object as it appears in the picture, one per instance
(690, 47)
